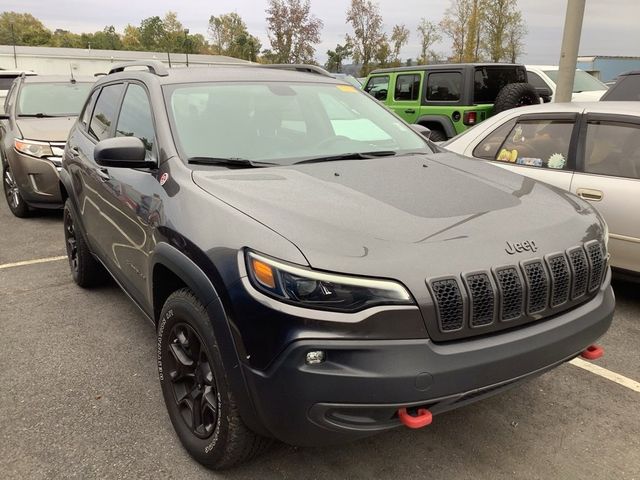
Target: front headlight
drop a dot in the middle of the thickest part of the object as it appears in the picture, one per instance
(32, 148)
(326, 291)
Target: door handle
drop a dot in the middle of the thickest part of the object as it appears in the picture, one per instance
(410, 110)
(589, 194)
(103, 174)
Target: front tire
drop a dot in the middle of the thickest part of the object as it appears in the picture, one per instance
(86, 271)
(12, 194)
(196, 391)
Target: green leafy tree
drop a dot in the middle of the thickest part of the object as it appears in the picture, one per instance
(230, 36)
(293, 31)
(131, 38)
(367, 37)
(336, 57)
(151, 34)
(65, 39)
(504, 30)
(23, 29)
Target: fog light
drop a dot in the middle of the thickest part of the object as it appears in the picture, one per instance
(314, 358)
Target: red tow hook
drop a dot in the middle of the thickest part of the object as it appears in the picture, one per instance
(423, 418)
(592, 352)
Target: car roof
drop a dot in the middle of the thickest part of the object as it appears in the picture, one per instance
(622, 108)
(632, 72)
(16, 73)
(58, 79)
(443, 66)
(223, 73)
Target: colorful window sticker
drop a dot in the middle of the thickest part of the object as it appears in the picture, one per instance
(507, 155)
(557, 161)
(529, 161)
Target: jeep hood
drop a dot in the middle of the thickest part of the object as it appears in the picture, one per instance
(46, 129)
(385, 215)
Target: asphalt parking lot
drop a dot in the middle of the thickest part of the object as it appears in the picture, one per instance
(80, 397)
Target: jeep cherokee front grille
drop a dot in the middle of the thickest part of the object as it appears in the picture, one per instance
(449, 304)
(496, 299)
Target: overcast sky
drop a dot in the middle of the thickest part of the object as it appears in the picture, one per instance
(610, 26)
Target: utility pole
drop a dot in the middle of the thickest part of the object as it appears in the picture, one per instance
(569, 51)
(186, 44)
(13, 39)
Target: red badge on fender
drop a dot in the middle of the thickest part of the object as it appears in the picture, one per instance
(163, 178)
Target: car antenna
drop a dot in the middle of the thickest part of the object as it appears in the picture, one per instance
(73, 80)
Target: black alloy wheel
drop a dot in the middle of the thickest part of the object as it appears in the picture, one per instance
(192, 381)
(71, 242)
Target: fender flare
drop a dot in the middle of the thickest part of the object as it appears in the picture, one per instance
(202, 286)
(442, 120)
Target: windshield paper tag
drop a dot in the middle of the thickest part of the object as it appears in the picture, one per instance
(347, 88)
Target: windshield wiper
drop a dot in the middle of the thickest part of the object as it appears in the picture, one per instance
(349, 156)
(36, 115)
(240, 162)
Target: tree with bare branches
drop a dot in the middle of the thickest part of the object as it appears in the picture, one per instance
(293, 31)
(399, 38)
(429, 36)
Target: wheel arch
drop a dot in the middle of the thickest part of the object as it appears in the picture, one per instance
(441, 122)
(171, 270)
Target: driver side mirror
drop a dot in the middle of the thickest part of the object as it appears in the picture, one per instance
(122, 152)
(422, 130)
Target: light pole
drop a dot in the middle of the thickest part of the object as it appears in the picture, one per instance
(569, 52)
(186, 44)
(13, 39)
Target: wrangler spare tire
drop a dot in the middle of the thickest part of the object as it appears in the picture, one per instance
(515, 95)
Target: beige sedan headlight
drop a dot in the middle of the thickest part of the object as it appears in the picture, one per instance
(33, 148)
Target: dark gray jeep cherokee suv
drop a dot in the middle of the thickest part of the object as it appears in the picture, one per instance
(316, 270)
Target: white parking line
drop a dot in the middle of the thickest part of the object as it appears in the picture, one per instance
(32, 262)
(608, 374)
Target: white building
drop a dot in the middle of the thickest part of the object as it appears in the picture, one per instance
(61, 61)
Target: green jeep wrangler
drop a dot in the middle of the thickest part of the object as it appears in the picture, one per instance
(449, 98)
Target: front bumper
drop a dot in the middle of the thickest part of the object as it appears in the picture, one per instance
(37, 179)
(358, 389)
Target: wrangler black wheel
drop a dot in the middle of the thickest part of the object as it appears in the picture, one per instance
(196, 391)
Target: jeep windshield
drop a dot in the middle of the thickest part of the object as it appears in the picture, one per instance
(52, 99)
(282, 123)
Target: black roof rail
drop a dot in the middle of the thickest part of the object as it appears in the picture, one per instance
(299, 67)
(154, 66)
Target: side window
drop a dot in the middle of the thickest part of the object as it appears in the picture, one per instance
(407, 87)
(489, 147)
(378, 87)
(444, 87)
(88, 107)
(613, 149)
(538, 143)
(136, 119)
(536, 80)
(105, 112)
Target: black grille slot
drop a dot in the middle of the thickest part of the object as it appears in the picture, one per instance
(449, 302)
(560, 279)
(596, 258)
(482, 299)
(580, 268)
(538, 286)
(512, 293)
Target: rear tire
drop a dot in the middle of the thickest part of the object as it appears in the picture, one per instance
(515, 95)
(12, 194)
(196, 391)
(438, 136)
(86, 271)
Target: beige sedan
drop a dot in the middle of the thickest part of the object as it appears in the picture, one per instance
(589, 149)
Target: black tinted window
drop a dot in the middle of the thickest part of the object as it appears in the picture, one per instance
(135, 118)
(627, 88)
(538, 143)
(407, 87)
(444, 87)
(488, 81)
(86, 113)
(536, 80)
(105, 112)
(613, 149)
(378, 87)
(5, 82)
